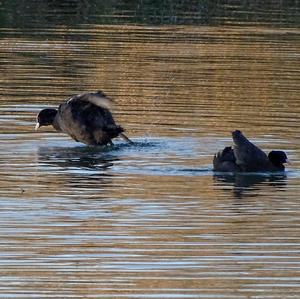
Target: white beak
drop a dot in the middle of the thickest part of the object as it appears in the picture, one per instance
(37, 126)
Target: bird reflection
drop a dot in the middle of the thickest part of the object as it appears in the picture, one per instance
(81, 158)
(246, 184)
(78, 173)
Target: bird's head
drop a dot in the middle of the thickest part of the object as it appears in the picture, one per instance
(45, 117)
(278, 158)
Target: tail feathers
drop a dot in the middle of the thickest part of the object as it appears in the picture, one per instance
(225, 160)
(115, 131)
(227, 154)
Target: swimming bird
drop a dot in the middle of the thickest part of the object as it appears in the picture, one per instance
(247, 157)
(84, 117)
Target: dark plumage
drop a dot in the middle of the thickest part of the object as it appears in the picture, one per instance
(246, 157)
(225, 160)
(84, 117)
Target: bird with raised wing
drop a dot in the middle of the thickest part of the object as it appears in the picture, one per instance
(247, 157)
(85, 117)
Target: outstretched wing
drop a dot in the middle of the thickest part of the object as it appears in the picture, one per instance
(86, 118)
(98, 98)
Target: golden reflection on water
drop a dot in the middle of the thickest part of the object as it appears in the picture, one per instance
(209, 79)
(150, 220)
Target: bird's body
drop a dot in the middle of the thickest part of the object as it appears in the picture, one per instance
(247, 157)
(84, 117)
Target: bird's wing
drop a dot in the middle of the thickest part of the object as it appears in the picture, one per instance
(91, 110)
(86, 118)
(248, 156)
(98, 98)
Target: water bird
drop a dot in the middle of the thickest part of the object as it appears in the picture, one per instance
(85, 117)
(247, 157)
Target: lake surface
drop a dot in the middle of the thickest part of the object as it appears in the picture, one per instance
(149, 220)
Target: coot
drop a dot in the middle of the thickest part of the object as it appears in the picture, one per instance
(85, 117)
(247, 157)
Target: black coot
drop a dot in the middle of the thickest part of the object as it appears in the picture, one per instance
(246, 157)
(84, 117)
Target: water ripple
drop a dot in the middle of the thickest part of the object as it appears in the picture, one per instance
(150, 220)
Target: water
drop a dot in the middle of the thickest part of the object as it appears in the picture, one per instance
(149, 220)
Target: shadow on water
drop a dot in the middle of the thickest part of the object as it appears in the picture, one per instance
(246, 184)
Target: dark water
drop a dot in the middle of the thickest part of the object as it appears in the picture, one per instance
(150, 220)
